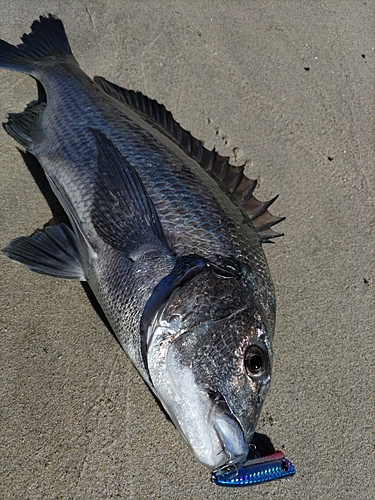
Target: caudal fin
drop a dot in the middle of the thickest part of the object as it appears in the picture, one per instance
(47, 38)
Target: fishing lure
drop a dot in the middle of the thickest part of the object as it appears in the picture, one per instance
(260, 470)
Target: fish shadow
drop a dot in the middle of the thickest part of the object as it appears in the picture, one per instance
(263, 445)
(58, 214)
(99, 311)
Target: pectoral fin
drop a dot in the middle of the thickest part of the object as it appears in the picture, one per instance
(54, 252)
(124, 214)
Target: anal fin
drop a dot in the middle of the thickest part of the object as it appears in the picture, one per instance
(53, 252)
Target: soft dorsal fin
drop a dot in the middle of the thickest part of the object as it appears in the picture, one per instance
(19, 125)
(229, 177)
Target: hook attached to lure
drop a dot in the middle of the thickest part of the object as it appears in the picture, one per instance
(260, 470)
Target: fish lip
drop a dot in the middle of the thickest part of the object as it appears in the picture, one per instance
(220, 408)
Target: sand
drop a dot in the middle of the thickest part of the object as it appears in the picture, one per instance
(288, 88)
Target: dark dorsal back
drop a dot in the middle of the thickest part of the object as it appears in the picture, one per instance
(230, 178)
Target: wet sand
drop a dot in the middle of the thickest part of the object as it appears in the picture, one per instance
(286, 87)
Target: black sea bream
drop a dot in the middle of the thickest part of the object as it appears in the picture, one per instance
(167, 234)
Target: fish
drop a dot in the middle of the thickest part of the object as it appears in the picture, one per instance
(167, 234)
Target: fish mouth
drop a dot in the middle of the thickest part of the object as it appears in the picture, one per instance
(228, 430)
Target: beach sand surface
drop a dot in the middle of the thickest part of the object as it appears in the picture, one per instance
(288, 88)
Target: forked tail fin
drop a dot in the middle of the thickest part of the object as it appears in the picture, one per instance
(47, 38)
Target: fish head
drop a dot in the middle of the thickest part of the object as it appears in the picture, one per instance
(210, 359)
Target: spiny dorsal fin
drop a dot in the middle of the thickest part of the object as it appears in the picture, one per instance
(231, 177)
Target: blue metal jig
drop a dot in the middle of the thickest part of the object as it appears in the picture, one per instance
(260, 470)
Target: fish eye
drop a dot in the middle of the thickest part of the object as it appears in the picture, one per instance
(256, 361)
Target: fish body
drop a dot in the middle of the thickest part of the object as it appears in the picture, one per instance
(161, 231)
